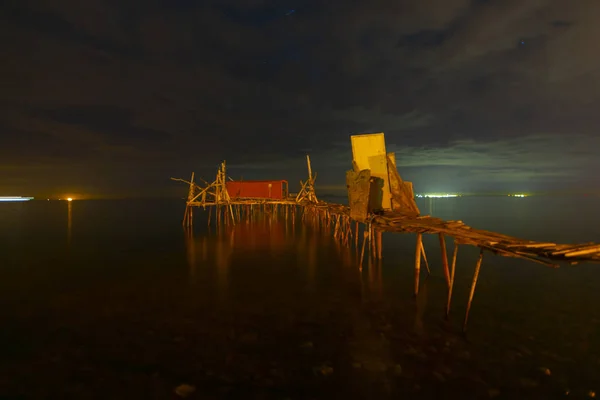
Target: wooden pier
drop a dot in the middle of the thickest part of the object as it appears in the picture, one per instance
(347, 222)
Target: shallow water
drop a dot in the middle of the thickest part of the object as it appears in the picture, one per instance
(112, 299)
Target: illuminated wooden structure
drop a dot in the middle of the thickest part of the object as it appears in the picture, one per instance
(368, 154)
(382, 202)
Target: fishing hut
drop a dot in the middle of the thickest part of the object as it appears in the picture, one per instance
(379, 200)
(236, 201)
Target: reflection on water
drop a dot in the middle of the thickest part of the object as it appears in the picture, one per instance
(308, 245)
(268, 246)
(421, 307)
(190, 245)
(375, 280)
(276, 309)
(206, 251)
(69, 222)
(251, 245)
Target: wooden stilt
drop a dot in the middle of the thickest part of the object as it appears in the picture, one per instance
(362, 252)
(372, 250)
(348, 230)
(418, 262)
(473, 285)
(356, 237)
(425, 258)
(185, 216)
(232, 216)
(451, 285)
(187, 220)
(379, 245)
(444, 258)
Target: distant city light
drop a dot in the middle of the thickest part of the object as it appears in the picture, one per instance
(15, 198)
(437, 195)
(69, 199)
(518, 195)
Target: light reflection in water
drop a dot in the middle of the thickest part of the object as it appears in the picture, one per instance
(269, 241)
(223, 251)
(69, 222)
(421, 306)
(375, 282)
(259, 240)
(190, 245)
(309, 244)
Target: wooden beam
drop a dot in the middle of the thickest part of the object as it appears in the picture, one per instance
(444, 258)
(451, 285)
(473, 285)
(418, 261)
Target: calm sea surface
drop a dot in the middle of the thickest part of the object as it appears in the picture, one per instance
(113, 299)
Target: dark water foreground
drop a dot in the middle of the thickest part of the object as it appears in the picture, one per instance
(114, 300)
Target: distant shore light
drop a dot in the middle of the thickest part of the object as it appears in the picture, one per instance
(69, 199)
(15, 198)
(437, 195)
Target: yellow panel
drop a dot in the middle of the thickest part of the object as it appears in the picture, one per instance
(368, 152)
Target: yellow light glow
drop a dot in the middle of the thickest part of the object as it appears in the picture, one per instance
(69, 199)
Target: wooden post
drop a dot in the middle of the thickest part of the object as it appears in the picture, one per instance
(185, 215)
(379, 245)
(451, 285)
(473, 285)
(232, 216)
(348, 231)
(425, 258)
(444, 259)
(372, 250)
(418, 261)
(356, 237)
(362, 252)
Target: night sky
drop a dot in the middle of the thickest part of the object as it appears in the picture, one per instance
(104, 98)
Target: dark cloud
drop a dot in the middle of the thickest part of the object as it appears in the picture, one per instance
(161, 88)
(114, 123)
(558, 23)
(421, 39)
